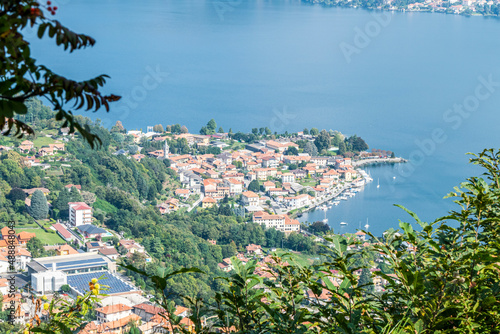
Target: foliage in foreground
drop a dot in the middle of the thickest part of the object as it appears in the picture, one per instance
(445, 278)
(22, 78)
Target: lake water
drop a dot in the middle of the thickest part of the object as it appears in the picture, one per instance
(391, 78)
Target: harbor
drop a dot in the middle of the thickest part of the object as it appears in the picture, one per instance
(372, 204)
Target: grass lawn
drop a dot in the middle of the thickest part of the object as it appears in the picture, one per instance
(309, 184)
(43, 141)
(45, 237)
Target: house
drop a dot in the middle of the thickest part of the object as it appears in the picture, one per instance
(91, 231)
(281, 223)
(26, 146)
(250, 198)
(184, 193)
(208, 202)
(287, 178)
(235, 186)
(226, 158)
(138, 157)
(119, 326)
(21, 257)
(254, 249)
(147, 311)
(63, 232)
(30, 192)
(360, 235)
(79, 213)
(93, 246)
(65, 250)
(264, 173)
(331, 174)
(320, 161)
(132, 246)
(23, 237)
(277, 192)
(112, 312)
(298, 201)
(270, 162)
(110, 252)
(70, 186)
(57, 146)
(280, 146)
(268, 185)
(168, 206)
(45, 151)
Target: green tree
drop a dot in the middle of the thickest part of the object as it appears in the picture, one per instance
(61, 204)
(322, 141)
(35, 247)
(16, 194)
(23, 78)
(291, 151)
(342, 148)
(221, 130)
(184, 129)
(211, 126)
(311, 149)
(254, 186)
(65, 288)
(305, 131)
(39, 208)
(158, 128)
(314, 132)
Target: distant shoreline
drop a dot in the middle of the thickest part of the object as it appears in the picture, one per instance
(358, 163)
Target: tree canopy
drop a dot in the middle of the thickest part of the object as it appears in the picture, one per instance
(22, 77)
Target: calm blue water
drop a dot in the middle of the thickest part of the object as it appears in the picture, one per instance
(280, 64)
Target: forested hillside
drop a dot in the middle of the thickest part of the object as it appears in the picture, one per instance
(123, 194)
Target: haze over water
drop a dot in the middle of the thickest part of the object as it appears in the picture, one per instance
(279, 64)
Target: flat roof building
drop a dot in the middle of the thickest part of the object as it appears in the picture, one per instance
(72, 264)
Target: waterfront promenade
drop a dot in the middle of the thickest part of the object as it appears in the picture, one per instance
(359, 163)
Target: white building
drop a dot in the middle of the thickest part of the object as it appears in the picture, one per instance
(281, 223)
(79, 213)
(48, 281)
(250, 198)
(113, 312)
(288, 178)
(235, 186)
(298, 201)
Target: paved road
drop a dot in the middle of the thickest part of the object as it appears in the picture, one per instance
(195, 204)
(380, 160)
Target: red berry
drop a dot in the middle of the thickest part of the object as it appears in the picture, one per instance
(48, 3)
(49, 8)
(55, 8)
(32, 10)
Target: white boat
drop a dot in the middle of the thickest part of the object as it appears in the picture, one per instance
(378, 183)
(325, 220)
(336, 202)
(393, 177)
(343, 223)
(366, 226)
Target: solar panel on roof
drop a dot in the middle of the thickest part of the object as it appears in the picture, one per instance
(77, 264)
(94, 244)
(80, 282)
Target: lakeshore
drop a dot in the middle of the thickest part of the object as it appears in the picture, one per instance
(348, 186)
